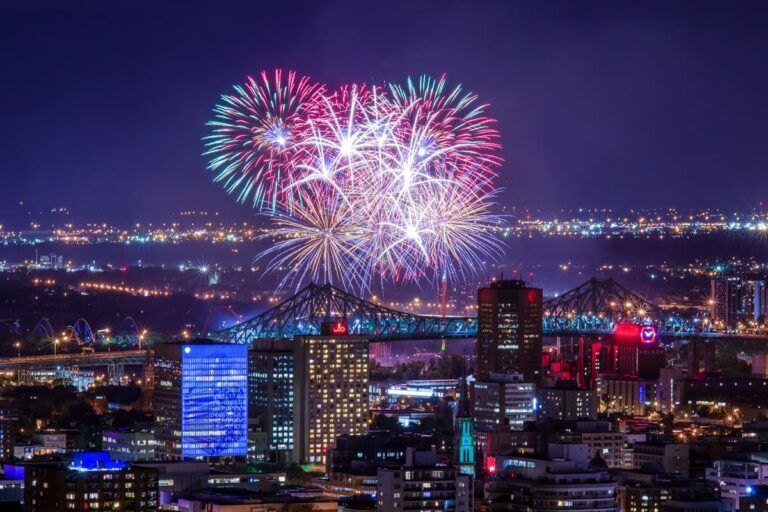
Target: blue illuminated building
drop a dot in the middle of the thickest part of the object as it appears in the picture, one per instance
(201, 400)
(95, 461)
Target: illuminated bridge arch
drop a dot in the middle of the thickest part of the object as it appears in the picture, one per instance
(83, 331)
(304, 312)
(597, 305)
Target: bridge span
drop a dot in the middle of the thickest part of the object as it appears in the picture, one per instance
(592, 308)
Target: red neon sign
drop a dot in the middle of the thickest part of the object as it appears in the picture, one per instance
(339, 328)
(648, 334)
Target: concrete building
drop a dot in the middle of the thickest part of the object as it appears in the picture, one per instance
(8, 424)
(609, 446)
(737, 474)
(330, 392)
(270, 400)
(627, 394)
(509, 336)
(92, 481)
(503, 399)
(567, 403)
(129, 446)
(562, 480)
(421, 484)
(661, 456)
(648, 491)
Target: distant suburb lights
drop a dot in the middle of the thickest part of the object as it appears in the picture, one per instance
(363, 183)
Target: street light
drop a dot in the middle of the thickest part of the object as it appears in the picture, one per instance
(55, 345)
(18, 347)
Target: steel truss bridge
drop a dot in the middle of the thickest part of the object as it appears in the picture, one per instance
(592, 308)
(304, 312)
(597, 305)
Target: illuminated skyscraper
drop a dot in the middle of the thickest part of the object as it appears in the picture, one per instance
(270, 397)
(330, 391)
(201, 400)
(509, 330)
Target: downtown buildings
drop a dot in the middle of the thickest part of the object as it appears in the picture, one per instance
(306, 392)
(509, 354)
(737, 302)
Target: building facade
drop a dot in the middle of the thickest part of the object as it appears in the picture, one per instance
(423, 485)
(568, 404)
(129, 446)
(330, 392)
(503, 399)
(270, 400)
(92, 482)
(563, 482)
(509, 337)
(201, 400)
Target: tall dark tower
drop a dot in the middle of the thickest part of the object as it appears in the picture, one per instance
(509, 315)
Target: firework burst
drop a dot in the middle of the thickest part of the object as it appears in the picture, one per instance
(255, 133)
(363, 183)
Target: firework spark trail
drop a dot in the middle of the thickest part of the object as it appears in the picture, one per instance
(363, 183)
(252, 147)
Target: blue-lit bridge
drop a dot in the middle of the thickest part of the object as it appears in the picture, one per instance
(594, 307)
(304, 312)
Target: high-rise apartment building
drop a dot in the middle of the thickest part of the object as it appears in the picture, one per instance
(735, 301)
(509, 337)
(201, 400)
(330, 390)
(270, 398)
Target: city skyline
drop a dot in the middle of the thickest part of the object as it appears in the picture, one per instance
(359, 256)
(598, 104)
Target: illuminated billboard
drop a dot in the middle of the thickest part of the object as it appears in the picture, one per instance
(214, 399)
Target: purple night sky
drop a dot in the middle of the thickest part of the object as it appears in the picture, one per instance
(637, 104)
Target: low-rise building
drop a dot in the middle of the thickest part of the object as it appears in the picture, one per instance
(129, 446)
(737, 474)
(662, 456)
(567, 402)
(422, 484)
(92, 481)
(562, 480)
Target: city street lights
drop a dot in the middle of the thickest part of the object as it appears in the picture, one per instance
(18, 347)
(55, 345)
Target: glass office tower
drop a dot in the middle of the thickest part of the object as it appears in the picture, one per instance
(201, 400)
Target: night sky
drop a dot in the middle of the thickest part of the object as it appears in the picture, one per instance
(102, 108)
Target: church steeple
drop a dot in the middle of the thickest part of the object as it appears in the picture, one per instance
(465, 432)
